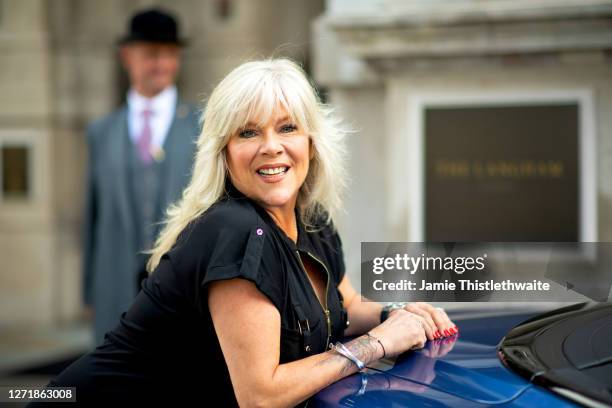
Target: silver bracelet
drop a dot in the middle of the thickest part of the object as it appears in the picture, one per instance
(341, 349)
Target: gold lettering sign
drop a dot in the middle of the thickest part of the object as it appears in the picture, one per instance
(464, 169)
(502, 173)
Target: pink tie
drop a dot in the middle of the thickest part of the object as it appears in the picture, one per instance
(144, 140)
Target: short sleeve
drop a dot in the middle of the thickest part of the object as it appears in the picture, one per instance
(235, 255)
(231, 243)
(252, 261)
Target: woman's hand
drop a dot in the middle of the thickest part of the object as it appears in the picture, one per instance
(437, 324)
(402, 331)
(364, 315)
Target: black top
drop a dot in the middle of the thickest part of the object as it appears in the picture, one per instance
(166, 341)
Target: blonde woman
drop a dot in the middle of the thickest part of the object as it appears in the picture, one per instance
(247, 301)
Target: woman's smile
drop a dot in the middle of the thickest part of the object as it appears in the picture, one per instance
(273, 173)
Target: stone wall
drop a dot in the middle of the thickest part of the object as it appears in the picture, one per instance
(379, 58)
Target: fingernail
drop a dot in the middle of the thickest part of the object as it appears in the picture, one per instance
(446, 333)
(437, 334)
(453, 330)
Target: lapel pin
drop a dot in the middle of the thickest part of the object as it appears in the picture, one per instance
(158, 153)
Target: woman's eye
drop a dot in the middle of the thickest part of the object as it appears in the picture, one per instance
(247, 133)
(288, 128)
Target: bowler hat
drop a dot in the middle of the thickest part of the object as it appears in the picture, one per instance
(153, 25)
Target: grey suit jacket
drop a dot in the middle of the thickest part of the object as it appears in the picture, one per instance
(111, 258)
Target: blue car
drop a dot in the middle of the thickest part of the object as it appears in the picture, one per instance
(524, 357)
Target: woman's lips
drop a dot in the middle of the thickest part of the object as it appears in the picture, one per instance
(273, 178)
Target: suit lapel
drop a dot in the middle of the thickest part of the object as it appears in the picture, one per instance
(120, 153)
(176, 149)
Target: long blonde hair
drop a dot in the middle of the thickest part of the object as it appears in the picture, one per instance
(251, 93)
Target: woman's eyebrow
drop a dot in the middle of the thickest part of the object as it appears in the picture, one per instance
(283, 119)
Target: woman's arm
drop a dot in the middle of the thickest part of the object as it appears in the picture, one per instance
(248, 327)
(364, 314)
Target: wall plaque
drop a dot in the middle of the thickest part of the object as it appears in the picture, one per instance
(502, 173)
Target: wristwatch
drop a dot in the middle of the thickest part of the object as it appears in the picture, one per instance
(384, 313)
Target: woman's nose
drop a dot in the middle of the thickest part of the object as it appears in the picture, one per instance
(271, 143)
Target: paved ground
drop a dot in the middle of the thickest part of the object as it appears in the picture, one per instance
(32, 355)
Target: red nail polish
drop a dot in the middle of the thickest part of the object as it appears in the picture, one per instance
(446, 333)
(437, 334)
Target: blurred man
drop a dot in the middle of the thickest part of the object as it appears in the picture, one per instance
(140, 158)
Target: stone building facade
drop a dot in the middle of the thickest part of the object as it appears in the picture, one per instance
(388, 63)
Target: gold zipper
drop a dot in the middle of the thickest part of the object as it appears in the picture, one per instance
(325, 309)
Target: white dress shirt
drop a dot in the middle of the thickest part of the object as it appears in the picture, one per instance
(162, 106)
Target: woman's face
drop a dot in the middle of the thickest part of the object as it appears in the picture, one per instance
(269, 163)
